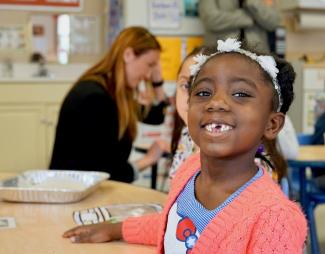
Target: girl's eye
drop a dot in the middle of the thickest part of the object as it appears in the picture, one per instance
(241, 94)
(203, 93)
(185, 86)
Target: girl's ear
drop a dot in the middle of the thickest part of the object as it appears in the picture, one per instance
(274, 125)
(128, 55)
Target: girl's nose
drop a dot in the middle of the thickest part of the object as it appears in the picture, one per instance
(217, 103)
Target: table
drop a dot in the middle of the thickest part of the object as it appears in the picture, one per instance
(311, 153)
(40, 226)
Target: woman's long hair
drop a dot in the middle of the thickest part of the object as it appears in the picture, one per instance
(110, 72)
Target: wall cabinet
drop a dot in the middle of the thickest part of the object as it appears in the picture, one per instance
(28, 117)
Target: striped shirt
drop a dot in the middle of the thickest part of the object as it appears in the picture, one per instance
(188, 217)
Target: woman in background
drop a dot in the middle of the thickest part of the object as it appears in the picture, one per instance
(247, 20)
(98, 118)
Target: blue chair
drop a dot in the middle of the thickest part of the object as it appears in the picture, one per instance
(304, 139)
(310, 196)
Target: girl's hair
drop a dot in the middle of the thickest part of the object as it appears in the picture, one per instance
(277, 161)
(285, 77)
(178, 122)
(110, 72)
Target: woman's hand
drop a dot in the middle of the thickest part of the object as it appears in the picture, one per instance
(157, 149)
(154, 153)
(96, 233)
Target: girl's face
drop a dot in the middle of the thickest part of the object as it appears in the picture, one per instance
(230, 107)
(139, 67)
(182, 89)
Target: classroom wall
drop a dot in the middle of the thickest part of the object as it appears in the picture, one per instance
(12, 17)
(136, 13)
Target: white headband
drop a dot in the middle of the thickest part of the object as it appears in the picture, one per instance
(267, 63)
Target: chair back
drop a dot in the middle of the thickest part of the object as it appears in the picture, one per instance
(304, 139)
(311, 194)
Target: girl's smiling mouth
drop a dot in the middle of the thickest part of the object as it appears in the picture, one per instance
(216, 127)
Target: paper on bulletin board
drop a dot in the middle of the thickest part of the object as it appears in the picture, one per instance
(192, 43)
(164, 14)
(170, 56)
(84, 34)
(13, 37)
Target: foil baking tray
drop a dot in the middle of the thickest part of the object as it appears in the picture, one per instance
(51, 186)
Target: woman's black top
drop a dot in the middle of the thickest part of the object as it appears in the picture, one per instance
(87, 134)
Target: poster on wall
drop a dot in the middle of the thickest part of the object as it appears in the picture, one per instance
(164, 14)
(192, 43)
(12, 37)
(41, 5)
(170, 56)
(84, 35)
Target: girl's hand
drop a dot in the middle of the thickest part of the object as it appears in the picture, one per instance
(96, 233)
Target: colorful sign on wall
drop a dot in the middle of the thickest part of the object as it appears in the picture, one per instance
(43, 5)
(192, 43)
(170, 56)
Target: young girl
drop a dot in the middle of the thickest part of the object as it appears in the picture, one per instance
(182, 145)
(220, 202)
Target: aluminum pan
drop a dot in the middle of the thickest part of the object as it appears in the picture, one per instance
(51, 186)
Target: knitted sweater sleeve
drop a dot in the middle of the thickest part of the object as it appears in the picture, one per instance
(279, 230)
(142, 230)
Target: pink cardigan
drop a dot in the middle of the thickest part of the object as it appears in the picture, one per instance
(260, 220)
